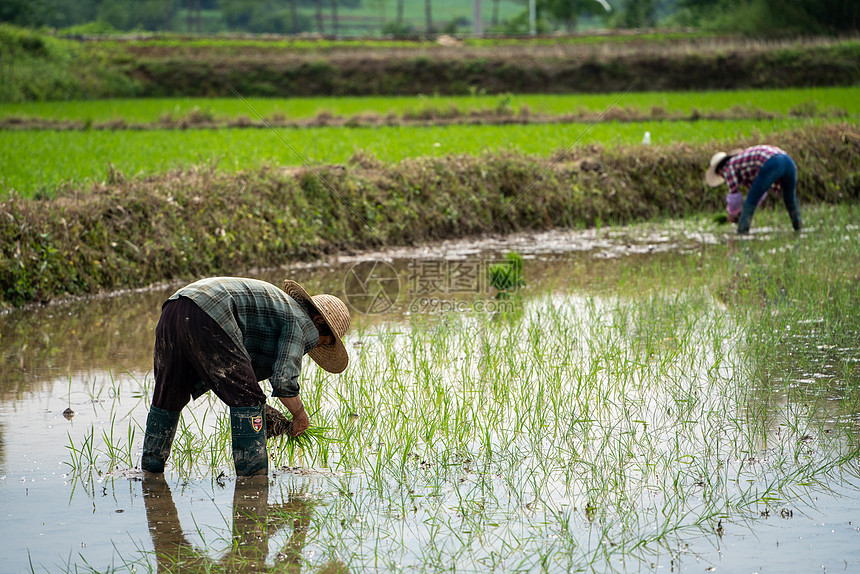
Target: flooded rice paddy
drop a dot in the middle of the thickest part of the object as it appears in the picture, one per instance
(621, 412)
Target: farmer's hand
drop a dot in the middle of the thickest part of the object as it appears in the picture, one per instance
(301, 422)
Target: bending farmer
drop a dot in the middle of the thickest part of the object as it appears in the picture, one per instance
(760, 168)
(225, 334)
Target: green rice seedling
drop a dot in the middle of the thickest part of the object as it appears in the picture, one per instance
(311, 445)
(507, 276)
(115, 452)
(84, 456)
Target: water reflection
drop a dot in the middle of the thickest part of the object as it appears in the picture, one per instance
(255, 522)
(88, 337)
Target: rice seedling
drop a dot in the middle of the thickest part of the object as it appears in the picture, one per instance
(314, 442)
(83, 455)
(507, 276)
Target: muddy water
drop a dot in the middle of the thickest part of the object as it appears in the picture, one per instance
(73, 373)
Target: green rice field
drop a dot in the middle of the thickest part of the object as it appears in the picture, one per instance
(35, 160)
(44, 160)
(820, 100)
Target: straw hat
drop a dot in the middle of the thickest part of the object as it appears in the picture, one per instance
(712, 178)
(333, 358)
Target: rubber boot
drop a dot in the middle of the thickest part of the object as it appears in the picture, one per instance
(248, 428)
(794, 214)
(160, 429)
(745, 219)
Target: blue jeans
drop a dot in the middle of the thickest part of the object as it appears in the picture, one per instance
(779, 168)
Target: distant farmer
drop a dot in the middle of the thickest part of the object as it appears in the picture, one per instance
(225, 334)
(759, 168)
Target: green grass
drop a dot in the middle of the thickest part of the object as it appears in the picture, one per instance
(42, 161)
(819, 100)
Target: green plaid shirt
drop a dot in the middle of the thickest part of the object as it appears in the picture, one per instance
(274, 329)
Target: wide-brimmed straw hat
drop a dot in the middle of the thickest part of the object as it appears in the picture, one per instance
(712, 178)
(333, 358)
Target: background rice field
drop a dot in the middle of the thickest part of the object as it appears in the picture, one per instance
(44, 160)
(821, 100)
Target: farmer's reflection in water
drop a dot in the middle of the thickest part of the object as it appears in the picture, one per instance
(254, 521)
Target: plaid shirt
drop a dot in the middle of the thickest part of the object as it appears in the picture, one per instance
(274, 329)
(742, 169)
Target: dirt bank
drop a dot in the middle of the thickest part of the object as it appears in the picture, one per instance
(549, 67)
(440, 116)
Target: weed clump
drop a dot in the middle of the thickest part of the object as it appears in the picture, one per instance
(507, 276)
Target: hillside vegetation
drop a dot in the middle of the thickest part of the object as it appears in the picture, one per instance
(36, 66)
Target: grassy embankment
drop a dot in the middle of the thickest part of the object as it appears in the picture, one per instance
(39, 67)
(374, 111)
(132, 232)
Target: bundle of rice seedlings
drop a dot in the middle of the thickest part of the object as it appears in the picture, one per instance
(278, 425)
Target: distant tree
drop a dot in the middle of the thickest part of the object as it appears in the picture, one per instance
(237, 13)
(567, 12)
(428, 16)
(115, 13)
(52, 13)
(637, 14)
(294, 17)
(521, 23)
(265, 16)
(821, 15)
(334, 17)
(192, 8)
(21, 12)
(319, 14)
(773, 17)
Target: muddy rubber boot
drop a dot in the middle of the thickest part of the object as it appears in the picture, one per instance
(160, 429)
(248, 428)
(796, 221)
(794, 214)
(745, 219)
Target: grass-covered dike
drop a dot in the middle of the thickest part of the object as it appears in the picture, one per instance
(128, 233)
(35, 66)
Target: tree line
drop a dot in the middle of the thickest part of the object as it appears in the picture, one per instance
(404, 18)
